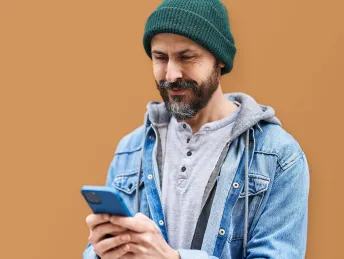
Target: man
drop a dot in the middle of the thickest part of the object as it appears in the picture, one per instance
(209, 175)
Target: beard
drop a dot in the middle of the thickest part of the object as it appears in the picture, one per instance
(195, 98)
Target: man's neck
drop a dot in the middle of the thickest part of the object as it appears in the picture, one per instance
(218, 108)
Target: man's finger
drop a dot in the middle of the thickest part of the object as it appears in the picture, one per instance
(142, 239)
(94, 220)
(122, 252)
(137, 224)
(142, 216)
(137, 249)
(100, 231)
(108, 244)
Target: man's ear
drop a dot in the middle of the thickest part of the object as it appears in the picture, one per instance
(221, 65)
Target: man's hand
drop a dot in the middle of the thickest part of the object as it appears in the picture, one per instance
(100, 238)
(133, 237)
(145, 240)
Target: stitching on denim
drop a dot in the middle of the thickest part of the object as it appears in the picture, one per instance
(134, 171)
(290, 164)
(271, 153)
(234, 239)
(287, 164)
(128, 151)
(257, 176)
(253, 194)
(132, 174)
(266, 153)
(126, 190)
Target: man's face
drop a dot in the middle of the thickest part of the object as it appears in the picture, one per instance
(186, 74)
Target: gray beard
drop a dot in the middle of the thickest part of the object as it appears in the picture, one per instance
(181, 111)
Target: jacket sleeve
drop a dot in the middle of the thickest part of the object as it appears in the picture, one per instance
(281, 231)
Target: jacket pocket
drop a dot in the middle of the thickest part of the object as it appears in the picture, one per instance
(257, 186)
(125, 183)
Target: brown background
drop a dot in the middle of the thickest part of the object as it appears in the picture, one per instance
(74, 79)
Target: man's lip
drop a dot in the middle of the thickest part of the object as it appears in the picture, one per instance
(175, 92)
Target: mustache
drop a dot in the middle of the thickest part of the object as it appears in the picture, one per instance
(178, 85)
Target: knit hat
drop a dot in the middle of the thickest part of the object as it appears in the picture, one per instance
(203, 21)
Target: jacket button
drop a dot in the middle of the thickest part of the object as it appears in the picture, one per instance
(183, 169)
(222, 232)
(235, 185)
(161, 222)
(150, 177)
(189, 153)
(184, 126)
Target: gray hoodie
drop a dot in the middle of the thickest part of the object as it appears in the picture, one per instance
(250, 114)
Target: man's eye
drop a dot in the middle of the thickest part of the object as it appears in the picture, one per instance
(160, 58)
(186, 57)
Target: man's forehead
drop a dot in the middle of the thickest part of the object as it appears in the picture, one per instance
(173, 42)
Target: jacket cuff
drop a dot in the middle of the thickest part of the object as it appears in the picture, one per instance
(191, 254)
(89, 253)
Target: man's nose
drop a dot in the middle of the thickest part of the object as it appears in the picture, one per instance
(173, 72)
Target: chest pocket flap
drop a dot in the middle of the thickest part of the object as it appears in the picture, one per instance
(126, 182)
(256, 184)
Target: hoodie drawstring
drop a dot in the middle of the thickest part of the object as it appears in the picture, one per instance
(246, 192)
(138, 185)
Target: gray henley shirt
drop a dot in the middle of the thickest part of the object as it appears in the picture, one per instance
(186, 162)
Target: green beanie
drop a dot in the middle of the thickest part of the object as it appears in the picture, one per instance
(203, 21)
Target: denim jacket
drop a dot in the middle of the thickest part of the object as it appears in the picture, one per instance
(259, 206)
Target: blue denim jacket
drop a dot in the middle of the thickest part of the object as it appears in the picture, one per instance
(260, 206)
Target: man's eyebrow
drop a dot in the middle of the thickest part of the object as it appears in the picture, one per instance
(158, 52)
(184, 51)
(178, 53)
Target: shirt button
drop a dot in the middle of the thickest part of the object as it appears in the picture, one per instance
(183, 169)
(189, 153)
(184, 126)
(235, 185)
(151, 137)
(222, 232)
(150, 177)
(161, 222)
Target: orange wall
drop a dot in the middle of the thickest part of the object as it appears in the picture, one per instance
(74, 79)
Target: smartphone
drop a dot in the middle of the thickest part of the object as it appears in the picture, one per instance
(104, 200)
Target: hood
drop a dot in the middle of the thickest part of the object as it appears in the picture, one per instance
(250, 113)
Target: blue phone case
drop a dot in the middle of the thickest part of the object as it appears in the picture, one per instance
(104, 200)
